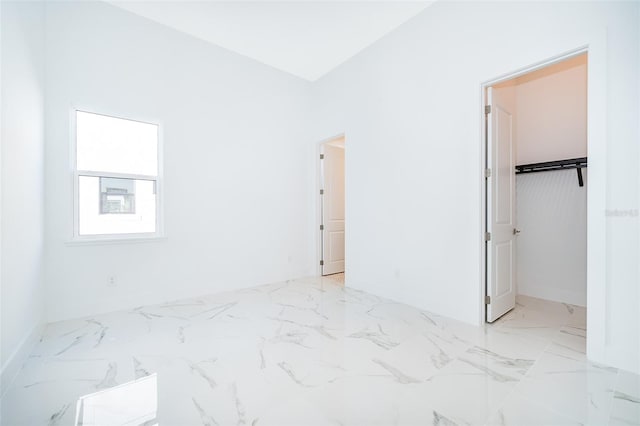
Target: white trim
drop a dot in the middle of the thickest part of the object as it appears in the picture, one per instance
(597, 301)
(77, 238)
(115, 115)
(102, 239)
(115, 175)
(15, 361)
(160, 183)
(596, 190)
(531, 68)
(2, 367)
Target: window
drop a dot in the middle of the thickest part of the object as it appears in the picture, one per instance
(116, 177)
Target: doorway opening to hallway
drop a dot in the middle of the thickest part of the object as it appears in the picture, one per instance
(332, 207)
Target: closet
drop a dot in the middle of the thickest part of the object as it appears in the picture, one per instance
(549, 129)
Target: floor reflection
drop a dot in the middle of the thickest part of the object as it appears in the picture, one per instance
(133, 403)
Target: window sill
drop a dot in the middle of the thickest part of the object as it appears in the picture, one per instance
(115, 240)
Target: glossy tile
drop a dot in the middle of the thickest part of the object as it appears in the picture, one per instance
(519, 411)
(570, 342)
(314, 352)
(580, 390)
(626, 400)
(466, 392)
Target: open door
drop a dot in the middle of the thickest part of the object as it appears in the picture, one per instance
(332, 227)
(501, 229)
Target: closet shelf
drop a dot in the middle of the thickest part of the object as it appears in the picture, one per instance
(571, 163)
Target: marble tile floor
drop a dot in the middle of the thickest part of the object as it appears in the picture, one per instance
(339, 277)
(313, 352)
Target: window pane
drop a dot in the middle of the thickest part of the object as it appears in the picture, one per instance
(117, 196)
(108, 144)
(116, 206)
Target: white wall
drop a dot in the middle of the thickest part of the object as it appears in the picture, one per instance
(410, 108)
(552, 112)
(551, 207)
(21, 230)
(236, 139)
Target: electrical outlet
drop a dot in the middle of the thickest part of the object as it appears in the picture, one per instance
(111, 281)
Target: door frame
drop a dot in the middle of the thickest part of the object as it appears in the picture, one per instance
(596, 49)
(318, 197)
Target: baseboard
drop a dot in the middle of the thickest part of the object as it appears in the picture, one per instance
(555, 295)
(18, 357)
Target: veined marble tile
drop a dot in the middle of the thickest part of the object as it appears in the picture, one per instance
(467, 392)
(47, 389)
(423, 355)
(578, 319)
(522, 412)
(626, 400)
(314, 352)
(565, 309)
(570, 342)
(496, 364)
(580, 390)
(288, 412)
(530, 322)
(338, 278)
(372, 400)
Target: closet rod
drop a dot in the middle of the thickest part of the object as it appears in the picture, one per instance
(571, 163)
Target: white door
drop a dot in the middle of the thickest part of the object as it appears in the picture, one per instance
(333, 209)
(500, 205)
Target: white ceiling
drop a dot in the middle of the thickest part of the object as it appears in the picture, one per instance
(305, 38)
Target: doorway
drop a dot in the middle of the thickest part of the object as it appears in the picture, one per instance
(535, 183)
(332, 207)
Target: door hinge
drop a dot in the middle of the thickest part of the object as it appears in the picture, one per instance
(487, 109)
(322, 227)
(487, 300)
(322, 192)
(322, 156)
(322, 263)
(487, 173)
(487, 236)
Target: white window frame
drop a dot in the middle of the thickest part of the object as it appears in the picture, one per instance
(123, 237)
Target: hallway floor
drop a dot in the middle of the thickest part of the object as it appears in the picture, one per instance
(312, 352)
